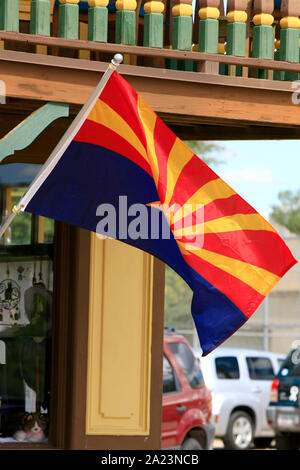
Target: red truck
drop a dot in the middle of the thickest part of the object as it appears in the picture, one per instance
(187, 402)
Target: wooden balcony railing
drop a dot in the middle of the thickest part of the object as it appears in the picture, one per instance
(256, 39)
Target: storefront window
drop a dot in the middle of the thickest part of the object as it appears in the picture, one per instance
(26, 287)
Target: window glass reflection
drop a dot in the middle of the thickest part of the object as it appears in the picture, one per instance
(26, 287)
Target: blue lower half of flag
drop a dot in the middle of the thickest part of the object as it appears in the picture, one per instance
(89, 176)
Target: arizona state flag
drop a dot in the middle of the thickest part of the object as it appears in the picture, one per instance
(125, 158)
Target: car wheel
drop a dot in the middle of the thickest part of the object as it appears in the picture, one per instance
(239, 434)
(262, 442)
(287, 442)
(191, 444)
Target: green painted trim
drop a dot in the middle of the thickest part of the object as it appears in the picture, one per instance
(289, 49)
(29, 129)
(182, 27)
(223, 69)
(153, 30)
(263, 46)
(185, 65)
(289, 44)
(68, 21)
(236, 39)
(188, 65)
(9, 15)
(125, 27)
(278, 74)
(208, 35)
(40, 17)
(172, 64)
(97, 24)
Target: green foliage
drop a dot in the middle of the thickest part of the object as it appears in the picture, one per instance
(20, 228)
(207, 151)
(19, 233)
(287, 212)
(178, 298)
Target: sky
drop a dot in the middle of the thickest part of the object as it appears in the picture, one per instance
(258, 170)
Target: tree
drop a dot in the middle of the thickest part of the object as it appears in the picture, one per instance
(178, 298)
(207, 151)
(287, 212)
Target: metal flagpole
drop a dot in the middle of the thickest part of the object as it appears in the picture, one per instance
(62, 144)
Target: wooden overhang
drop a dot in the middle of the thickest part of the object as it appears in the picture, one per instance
(196, 105)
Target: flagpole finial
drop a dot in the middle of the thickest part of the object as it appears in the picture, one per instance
(117, 60)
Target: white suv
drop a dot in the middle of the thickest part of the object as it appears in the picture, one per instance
(240, 382)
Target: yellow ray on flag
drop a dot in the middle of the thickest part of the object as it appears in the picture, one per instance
(105, 115)
(225, 224)
(258, 278)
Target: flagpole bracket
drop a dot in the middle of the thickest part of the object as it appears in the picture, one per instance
(16, 210)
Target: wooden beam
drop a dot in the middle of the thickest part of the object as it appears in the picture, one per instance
(112, 48)
(186, 127)
(266, 102)
(219, 132)
(148, 72)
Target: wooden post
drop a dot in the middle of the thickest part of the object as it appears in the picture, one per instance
(40, 17)
(9, 15)
(209, 26)
(154, 23)
(209, 13)
(97, 20)
(68, 23)
(236, 31)
(182, 28)
(40, 12)
(263, 44)
(126, 22)
(289, 34)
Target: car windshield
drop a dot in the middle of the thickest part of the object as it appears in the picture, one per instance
(188, 363)
(291, 365)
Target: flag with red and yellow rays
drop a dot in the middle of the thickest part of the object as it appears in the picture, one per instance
(126, 166)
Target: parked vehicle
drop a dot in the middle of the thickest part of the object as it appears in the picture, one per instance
(283, 413)
(187, 402)
(240, 381)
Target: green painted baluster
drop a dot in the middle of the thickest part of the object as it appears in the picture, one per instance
(182, 26)
(289, 35)
(278, 75)
(40, 17)
(154, 23)
(263, 44)
(209, 13)
(223, 68)
(98, 20)
(236, 32)
(9, 15)
(68, 23)
(125, 21)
